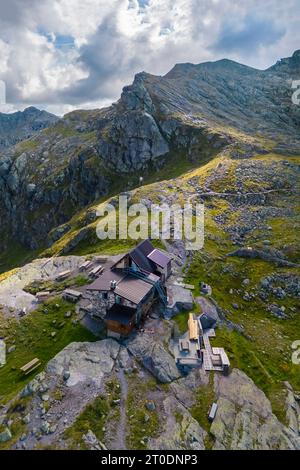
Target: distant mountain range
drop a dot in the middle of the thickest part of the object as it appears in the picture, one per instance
(22, 125)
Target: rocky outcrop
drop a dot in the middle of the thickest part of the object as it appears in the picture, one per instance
(5, 435)
(180, 431)
(74, 378)
(266, 255)
(41, 188)
(134, 141)
(36, 385)
(244, 418)
(133, 138)
(12, 293)
(281, 285)
(85, 361)
(92, 442)
(292, 409)
(288, 65)
(154, 357)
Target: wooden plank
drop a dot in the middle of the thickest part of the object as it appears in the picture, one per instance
(193, 328)
(72, 293)
(85, 265)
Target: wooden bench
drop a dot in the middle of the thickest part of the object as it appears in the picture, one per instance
(30, 366)
(96, 271)
(62, 276)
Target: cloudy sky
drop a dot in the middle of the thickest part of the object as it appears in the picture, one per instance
(66, 54)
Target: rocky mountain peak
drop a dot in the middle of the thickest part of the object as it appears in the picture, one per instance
(200, 70)
(288, 65)
(32, 110)
(136, 96)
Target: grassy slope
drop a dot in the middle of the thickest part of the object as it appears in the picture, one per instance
(136, 412)
(94, 417)
(91, 244)
(14, 256)
(32, 338)
(266, 358)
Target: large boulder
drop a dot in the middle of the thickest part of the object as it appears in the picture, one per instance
(5, 435)
(179, 299)
(36, 385)
(154, 357)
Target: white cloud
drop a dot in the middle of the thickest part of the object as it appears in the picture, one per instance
(63, 54)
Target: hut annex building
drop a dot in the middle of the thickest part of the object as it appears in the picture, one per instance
(124, 292)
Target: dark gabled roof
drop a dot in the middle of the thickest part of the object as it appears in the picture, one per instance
(102, 283)
(145, 247)
(159, 258)
(142, 261)
(121, 314)
(139, 256)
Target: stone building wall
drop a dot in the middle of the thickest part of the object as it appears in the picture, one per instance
(101, 304)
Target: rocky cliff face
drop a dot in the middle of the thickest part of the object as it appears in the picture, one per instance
(22, 125)
(245, 419)
(43, 181)
(194, 110)
(288, 66)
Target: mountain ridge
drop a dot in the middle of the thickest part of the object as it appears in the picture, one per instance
(79, 158)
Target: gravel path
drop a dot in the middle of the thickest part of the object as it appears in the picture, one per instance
(120, 442)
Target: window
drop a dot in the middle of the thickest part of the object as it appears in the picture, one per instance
(105, 296)
(118, 299)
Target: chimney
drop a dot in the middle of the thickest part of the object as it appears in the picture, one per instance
(113, 284)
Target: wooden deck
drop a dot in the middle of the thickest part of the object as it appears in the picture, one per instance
(208, 353)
